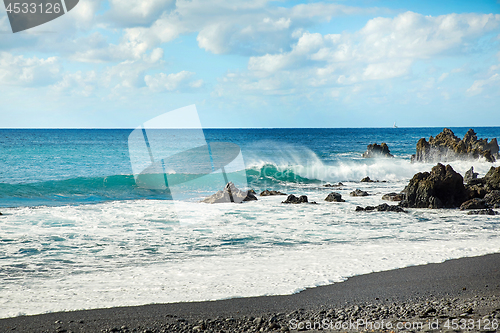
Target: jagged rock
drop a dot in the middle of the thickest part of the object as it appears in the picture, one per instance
(475, 191)
(292, 199)
(470, 175)
(334, 197)
(492, 199)
(488, 211)
(492, 179)
(473, 204)
(441, 188)
(367, 180)
(486, 187)
(448, 147)
(375, 150)
(334, 185)
(358, 193)
(230, 193)
(382, 208)
(392, 196)
(267, 193)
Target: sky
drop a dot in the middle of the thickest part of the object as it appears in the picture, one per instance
(327, 64)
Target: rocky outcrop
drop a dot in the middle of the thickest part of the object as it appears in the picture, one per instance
(440, 188)
(268, 193)
(446, 146)
(492, 199)
(487, 188)
(358, 193)
(492, 179)
(367, 180)
(393, 196)
(470, 175)
(230, 193)
(475, 203)
(382, 208)
(334, 197)
(488, 211)
(334, 185)
(375, 150)
(292, 199)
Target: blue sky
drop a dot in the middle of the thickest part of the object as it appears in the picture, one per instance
(119, 63)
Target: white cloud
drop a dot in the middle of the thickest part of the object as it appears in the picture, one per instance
(384, 48)
(171, 82)
(223, 26)
(443, 77)
(78, 83)
(386, 70)
(21, 71)
(478, 85)
(137, 12)
(196, 84)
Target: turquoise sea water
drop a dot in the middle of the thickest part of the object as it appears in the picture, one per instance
(60, 167)
(77, 232)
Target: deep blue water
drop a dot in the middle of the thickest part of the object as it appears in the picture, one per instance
(72, 166)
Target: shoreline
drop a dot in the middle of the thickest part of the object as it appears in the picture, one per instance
(465, 288)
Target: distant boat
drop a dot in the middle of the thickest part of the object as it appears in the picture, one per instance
(394, 126)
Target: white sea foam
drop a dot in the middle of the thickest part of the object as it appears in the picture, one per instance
(135, 252)
(305, 163)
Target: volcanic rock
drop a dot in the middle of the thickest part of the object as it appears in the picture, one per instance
(230, 193)
(382, 208)
(441, 188)
(446, 146)
(475, 203)
(470, 175)
(334, 185)
(367, 180)
(375, 150)
(292, 199)
(392, 196)
(334, 197)
(488, 211)
(267, 193)
(492, 199)
(358, 193)
(492, 179)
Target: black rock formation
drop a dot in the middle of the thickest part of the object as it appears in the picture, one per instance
(358, 193)
(267, 193)
(488, 211)
(440, 188)
(446, 146)
(382, 208)
(393, 196)
(334, 197)
(230, 193)
(375, 150)
(292, 199)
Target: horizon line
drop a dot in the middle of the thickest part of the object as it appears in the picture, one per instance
(232, 128)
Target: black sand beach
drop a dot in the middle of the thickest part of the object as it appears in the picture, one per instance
(446, 296)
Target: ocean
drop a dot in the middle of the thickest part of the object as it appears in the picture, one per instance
(78, 233)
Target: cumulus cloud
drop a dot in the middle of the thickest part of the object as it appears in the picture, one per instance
(172, 82)
(28, 72)
(384, 48)
(223, 26)
(78, 83)
(137, 12)
(478, 85)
